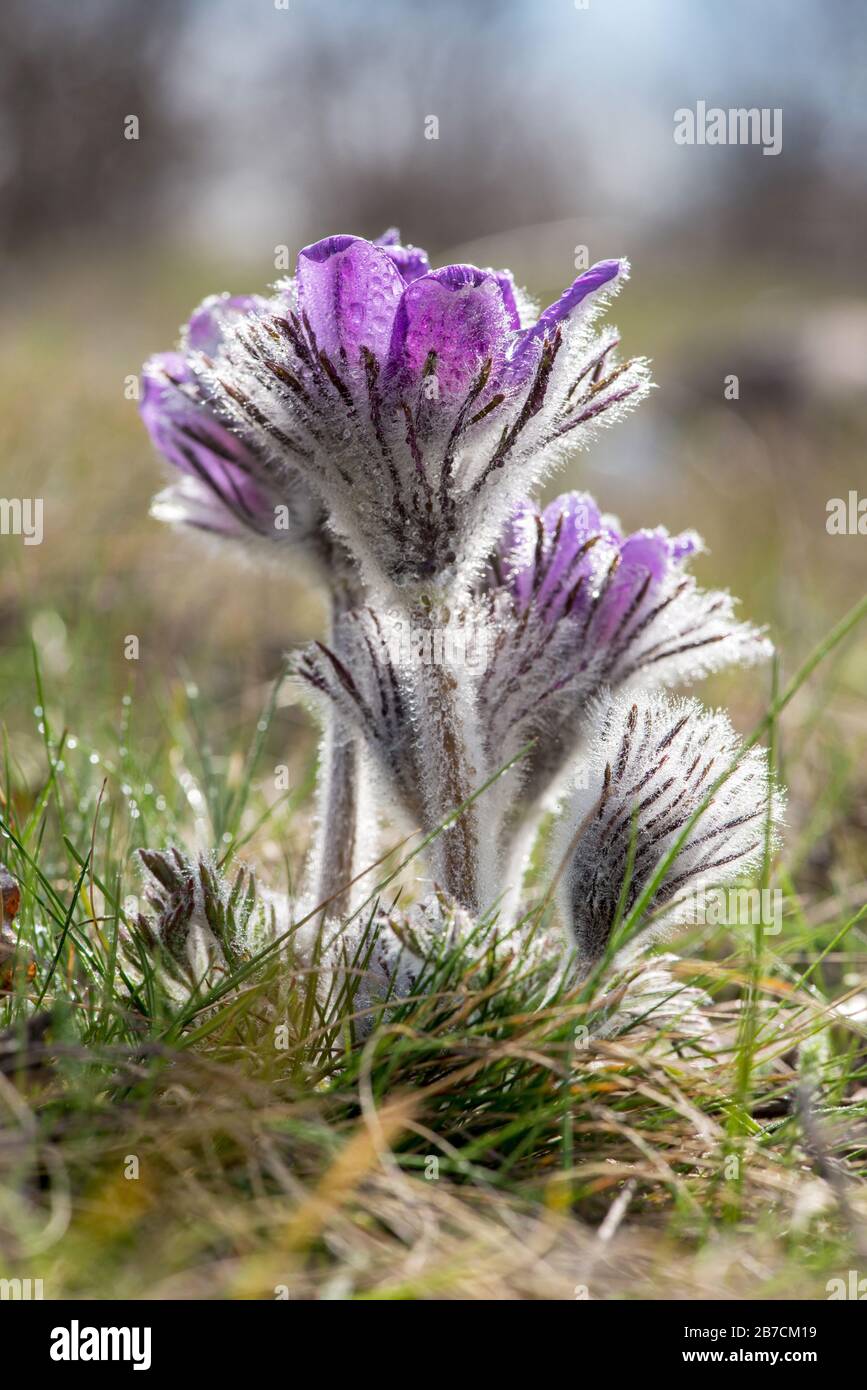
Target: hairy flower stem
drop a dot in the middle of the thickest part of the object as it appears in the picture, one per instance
(337, 852)
(336, 858)
(450, 776)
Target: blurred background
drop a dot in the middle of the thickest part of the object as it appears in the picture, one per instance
(263, 126)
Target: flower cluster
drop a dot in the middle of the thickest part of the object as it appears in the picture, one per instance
(572, 608)
(393, 420)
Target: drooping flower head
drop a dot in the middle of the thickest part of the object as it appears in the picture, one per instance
(228, 486)
(652, 763)
(579, 607)
(415, 403)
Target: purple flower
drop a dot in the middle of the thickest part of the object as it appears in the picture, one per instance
(417, 403)
(228, 487)
(578, 607)
(392, 417)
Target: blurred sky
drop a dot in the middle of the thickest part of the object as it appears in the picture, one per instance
(262, 126)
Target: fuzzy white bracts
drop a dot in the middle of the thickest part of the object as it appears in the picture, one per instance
(651, 765)
(647, 997)
(367, 966)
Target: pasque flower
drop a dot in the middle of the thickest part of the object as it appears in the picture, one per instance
(652, 763)
(395, 420)
(416, 403)
(232, 488)
(569, 608)
(196, 923)
(228, 485)
(579, 607)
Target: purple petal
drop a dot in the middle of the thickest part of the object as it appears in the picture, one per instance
(515, 552)
(647, 551)
(191, 503)
(457, 313)
(598, 278)
(542, 556)
(411, 261)
(686, 544)
(207, 326)
(349, 290)
(645, 560)
(569, 522)
(164, 404)
(506, 281)
(186, 433)
(593, 280)
(580, 517)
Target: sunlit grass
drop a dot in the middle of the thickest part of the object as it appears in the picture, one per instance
(248, 1139)
(466, 1148)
